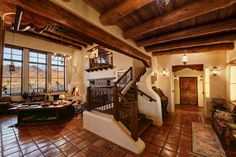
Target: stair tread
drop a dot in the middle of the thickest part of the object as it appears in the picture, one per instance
(141, 116)
(143, 125)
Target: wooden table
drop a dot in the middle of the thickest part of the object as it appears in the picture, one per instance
(37, 113)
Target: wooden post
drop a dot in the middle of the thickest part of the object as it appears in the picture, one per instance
(134, 121)
(115, 103)
(2, 39)
(89, 98)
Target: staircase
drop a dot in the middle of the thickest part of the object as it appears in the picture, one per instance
(143, 122)
(124, 107)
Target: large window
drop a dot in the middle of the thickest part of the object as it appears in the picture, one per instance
(233, 83)
(58, 73)
(12, 71)
(37, 72)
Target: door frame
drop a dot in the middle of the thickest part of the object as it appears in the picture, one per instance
(196, 90)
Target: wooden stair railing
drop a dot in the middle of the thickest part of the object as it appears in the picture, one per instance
(123, 81)
(100, 99)
(110, 100)
(127, 113)
(143, 93)
(139, 76)
(124, 110)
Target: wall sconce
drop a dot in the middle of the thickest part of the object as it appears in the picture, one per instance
(215, 71)
(201, 78)
(86, 55)
(164, 72)
(184, 59)
(175, 77)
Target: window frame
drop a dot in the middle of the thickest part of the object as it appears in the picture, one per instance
(38, 63)
(231, 82)
(22, 68)
(207, 82)
(57, 65)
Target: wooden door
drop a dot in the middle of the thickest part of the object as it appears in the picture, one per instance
(188, 91)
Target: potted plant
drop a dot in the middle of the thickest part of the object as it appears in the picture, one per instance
(25, 95)
(4, 89)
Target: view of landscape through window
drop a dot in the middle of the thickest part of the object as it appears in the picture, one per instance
(58, 73)
(11, 79)
(37, 72)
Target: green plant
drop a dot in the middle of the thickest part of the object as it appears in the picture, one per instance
(4, 89)
(25, 95)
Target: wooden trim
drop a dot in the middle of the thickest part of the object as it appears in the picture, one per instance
(124, 8)
(2, 42)
(188, 11)
(198, 67)
(198, 49)
(217, 39)
(54, 13)
(218, 27)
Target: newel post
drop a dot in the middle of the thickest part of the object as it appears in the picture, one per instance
(89, 98)
(115, 103)
(134, 121)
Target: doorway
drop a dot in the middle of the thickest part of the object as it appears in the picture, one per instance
(184, 77)
(188, 91)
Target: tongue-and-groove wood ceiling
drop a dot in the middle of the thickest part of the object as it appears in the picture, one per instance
(182, 24)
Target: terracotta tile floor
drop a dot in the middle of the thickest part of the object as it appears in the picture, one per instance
(174, 138)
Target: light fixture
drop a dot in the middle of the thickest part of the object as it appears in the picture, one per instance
(12, 67)
(201, 78)
(162, 3)
(184, 59)
(175, 77)
(62, 97)
(164, 72)
(215, 71)
(86, 55)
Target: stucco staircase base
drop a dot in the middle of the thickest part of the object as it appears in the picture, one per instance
(107, 127)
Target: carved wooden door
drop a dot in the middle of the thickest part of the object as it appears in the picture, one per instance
(188, 91)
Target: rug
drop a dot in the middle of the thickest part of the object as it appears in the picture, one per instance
(205, 141)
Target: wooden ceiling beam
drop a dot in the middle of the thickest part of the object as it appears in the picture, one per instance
(124, 8)
(222, 26)
(67, 37)
(52, 12)
(49, 39)
(198, 49)
(61, 39)
(217, 39)
(191, 10)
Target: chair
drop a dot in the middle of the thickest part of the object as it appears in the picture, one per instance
(219, 104)
(5, 104)
(223, 123)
